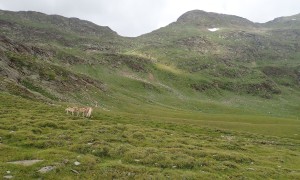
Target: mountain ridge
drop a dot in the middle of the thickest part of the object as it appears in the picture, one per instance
(189, 14)
(58, 20)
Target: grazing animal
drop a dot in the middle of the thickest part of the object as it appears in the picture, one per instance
(85, 111)
(88, 112)
(70, 110)
(81, 110)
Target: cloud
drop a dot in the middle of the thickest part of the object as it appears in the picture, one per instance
(135, 17)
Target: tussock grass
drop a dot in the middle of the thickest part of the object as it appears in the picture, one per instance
(176, 145)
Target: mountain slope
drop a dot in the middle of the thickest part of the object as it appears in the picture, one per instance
(193, 100)
(288, 22)
(232, 57)
(238, 58)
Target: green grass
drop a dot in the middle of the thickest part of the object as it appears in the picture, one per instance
(163, 143)
(28, 84)
(126, 90)
(179, 103)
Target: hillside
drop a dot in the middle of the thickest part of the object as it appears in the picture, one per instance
(202, 94)
(232, 53)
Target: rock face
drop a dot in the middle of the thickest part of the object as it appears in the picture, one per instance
(22, 71)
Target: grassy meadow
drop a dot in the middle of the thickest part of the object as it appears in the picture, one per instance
(153, 121)
(164, 143)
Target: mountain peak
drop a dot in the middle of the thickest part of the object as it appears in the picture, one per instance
(203, 18)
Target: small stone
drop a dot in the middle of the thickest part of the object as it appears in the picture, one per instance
(7, 172)
(46, 169)
(137, 160)
(8, 177)
(74, 171)
(77, 163)
(251, 169)
(174, 166)
(90, 143)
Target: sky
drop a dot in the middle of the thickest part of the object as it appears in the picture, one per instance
(135, 17)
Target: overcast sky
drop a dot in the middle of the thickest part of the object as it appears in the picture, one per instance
(136, 17)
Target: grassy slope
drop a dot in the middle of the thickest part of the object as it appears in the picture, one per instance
(157, 87)
(150, 122)
(175, 144)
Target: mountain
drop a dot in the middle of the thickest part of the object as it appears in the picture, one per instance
(34, 27)
(207, 54)
(289, 22)
(223, 47)
(209, 19)
(193, 100)
(43, 21)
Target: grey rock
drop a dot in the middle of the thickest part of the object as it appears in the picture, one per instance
(8, 177)
(74, 171)
(77, 163)
(46, 169)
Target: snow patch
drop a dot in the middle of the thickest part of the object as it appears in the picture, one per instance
(294, 19)
(213, 29)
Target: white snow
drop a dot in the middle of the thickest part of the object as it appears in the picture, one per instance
(213, 29)
(294, 19)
